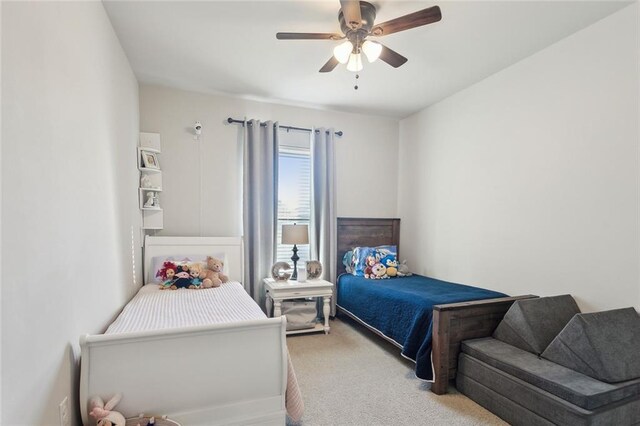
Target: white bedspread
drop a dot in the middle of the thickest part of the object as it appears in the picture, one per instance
(155, 309)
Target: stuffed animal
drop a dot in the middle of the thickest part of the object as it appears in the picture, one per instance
(195, 269)
(183, 278)
(403, 269)
(378, 271)
(104, 414)
(168, 275)
(370, 262)
(391, 264)
(212, 275)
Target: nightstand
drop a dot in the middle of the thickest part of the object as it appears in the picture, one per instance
(283, 290)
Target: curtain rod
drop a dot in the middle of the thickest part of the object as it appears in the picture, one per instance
(304, 129)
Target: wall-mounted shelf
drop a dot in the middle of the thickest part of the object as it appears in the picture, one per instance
(154, 150)
(152, 217)
(148, 170)
(150, 142)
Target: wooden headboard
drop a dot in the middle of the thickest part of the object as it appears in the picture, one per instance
(365, 232)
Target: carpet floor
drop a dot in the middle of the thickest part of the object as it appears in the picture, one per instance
(352, 377)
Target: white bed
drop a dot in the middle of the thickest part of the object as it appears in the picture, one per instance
(199, 356)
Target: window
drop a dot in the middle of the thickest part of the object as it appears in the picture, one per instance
(294, 190)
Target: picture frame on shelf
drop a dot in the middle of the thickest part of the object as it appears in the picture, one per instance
(314, 269)
(150, 160)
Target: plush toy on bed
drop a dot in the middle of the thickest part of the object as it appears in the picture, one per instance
(195, 269)
(212, 275)
(168, 275)
(391, 264)
(368, 271)
(182, 279)
(378, 272)
(104, 414)
(403, 269)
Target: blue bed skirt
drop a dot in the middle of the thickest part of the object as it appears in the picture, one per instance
(402, 309)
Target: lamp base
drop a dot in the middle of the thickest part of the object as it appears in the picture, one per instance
(294, 259)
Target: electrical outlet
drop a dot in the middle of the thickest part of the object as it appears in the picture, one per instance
(65, 415)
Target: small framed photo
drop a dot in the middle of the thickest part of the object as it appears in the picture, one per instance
(314, 269)
(150, 160)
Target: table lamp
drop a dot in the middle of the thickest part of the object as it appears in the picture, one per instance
(295, 234)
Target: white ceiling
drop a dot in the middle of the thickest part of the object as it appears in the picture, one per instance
(230, 47)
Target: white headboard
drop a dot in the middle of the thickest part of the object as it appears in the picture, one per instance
(167, 246)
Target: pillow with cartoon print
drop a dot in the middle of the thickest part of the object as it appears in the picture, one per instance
(375, 262)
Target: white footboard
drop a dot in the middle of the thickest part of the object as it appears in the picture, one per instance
(212, 375)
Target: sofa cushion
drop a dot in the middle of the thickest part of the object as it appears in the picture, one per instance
(572, 386)
(521, 403)
(603, 345)
(532, 324)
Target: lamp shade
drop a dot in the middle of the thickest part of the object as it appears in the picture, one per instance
(295, 234)
(355, 62)
(343, 51)
(372, 50)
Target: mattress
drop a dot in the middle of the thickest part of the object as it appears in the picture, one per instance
(155, 309)
(402, 310)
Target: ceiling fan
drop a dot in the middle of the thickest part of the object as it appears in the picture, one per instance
(357, 24)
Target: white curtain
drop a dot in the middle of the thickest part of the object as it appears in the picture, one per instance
(259, 210)
(323, 223)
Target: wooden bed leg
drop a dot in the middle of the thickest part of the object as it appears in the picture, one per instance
(440, 352)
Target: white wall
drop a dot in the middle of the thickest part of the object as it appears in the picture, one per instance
(202, 182)
(527, 182)
(69, 203)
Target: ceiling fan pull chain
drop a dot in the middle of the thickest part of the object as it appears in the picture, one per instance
(356, 86)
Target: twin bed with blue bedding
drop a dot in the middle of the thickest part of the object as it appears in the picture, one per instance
(426, 318)
(401, 309)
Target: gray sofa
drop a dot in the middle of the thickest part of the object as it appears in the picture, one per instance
(547, 363)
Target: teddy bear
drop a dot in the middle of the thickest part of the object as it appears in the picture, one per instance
(212, 275)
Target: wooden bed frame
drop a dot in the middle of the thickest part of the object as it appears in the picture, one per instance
(222, 374)
(452, 323)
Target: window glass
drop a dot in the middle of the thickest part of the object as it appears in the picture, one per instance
(294, 190)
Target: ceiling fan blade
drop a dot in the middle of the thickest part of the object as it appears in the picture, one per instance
(392, 57)
(308, 36)
(406, 22)
(330, 65)
(351, 13)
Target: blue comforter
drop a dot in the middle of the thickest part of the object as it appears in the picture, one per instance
(402, 309)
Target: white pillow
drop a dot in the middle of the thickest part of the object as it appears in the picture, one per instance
(158, 261)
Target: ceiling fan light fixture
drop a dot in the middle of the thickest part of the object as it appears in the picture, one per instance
(343, 51)
(355, 62)
(372, 50)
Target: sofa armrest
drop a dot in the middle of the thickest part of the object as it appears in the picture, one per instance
(455, 322)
